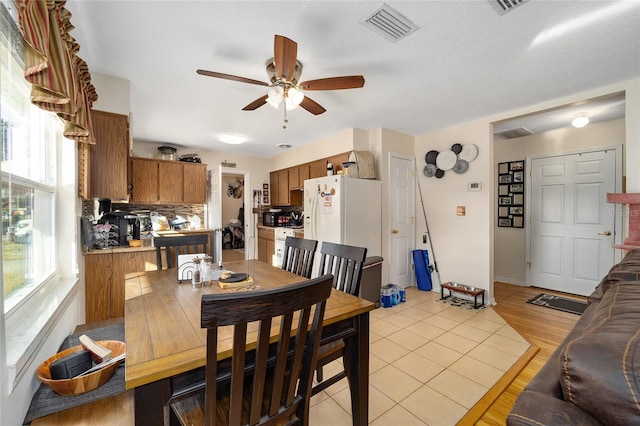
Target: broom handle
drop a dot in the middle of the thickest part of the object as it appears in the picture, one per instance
(433, 253)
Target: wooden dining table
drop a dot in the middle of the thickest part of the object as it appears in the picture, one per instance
(166, 346)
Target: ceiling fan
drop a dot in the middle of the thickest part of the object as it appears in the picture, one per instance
(284, 72)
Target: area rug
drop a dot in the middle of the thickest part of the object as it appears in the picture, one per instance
(45, 401)
(461, 303)
(560, 303)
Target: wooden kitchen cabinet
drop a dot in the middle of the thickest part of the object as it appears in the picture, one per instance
(317, 168)
(297, 176)
(168, 182)
(109, 157)
(266, 244)
(294, 178)
(144, 179)
(104, 279)
(273, 185)
(195, 183)
(283, 187)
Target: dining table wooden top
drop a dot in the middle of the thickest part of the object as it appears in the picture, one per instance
(162, 319)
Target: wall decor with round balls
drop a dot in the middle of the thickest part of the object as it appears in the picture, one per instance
(457, 159)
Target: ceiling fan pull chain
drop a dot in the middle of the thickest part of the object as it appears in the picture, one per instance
(284, 125)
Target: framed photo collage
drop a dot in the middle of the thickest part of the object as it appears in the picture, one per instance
(511, 194)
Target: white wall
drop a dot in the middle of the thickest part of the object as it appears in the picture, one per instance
(346, 140)
(464, 245)
(510, 243)
(114, 94)
(461, 244)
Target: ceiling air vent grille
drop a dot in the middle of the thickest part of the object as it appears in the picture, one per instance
(389, 23)
(518, 132)
(504, 6)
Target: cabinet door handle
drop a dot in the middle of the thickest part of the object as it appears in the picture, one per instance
(394, 231)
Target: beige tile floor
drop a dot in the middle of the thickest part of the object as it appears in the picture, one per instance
(429, 364)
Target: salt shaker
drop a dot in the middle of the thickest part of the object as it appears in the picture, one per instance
(206, 270)
(196, 278)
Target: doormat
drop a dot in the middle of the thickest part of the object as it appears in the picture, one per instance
(560, 303)
(460, 303)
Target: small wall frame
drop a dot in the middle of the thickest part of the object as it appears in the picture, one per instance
(511, 186)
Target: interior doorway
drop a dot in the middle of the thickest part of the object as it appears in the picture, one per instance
(231, 214)
(545, 134)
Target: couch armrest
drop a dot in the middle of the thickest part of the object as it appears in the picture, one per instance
(535, 409)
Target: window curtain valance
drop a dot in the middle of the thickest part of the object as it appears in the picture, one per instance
(61, 80)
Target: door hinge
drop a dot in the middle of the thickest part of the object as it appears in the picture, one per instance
(529, 264)
(413, 220)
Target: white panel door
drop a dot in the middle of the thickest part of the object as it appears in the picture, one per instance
(572, 225)
(401, 219)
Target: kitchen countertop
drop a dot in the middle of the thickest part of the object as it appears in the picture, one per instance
(147, 242)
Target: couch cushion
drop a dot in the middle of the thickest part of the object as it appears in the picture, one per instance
(601, 368)
(628, 269)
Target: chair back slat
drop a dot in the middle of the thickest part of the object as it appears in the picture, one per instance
(298, 256)
(175, 246)
(276, 387)
(345, 263)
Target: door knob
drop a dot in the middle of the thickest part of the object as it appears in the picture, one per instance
(394, 231)
(605, 233)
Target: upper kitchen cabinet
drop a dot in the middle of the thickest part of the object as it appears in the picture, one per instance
(108, 158)
(195, 183)
(279, 187)
(297, 176)
(168, 182)
(318, 168)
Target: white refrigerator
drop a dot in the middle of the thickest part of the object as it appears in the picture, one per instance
(343, 210)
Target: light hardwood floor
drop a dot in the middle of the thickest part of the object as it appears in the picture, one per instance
(542, 327)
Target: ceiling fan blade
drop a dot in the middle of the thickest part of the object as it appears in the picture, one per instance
(231, 77)
(285, 52)
(256, 104)
(334, 83)
(312, 106)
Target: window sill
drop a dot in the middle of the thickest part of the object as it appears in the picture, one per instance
(22, 343)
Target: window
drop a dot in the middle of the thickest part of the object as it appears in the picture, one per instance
(28, 171)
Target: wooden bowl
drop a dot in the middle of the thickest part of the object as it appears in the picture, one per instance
(135, 243)
(81, 384)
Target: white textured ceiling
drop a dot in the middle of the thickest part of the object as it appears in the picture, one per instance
(464, 62)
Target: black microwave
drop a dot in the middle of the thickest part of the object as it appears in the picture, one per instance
(275, 219)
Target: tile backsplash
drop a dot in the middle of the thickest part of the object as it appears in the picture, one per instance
(170, 211)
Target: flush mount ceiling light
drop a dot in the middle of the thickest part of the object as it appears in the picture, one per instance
(580, 121)
(232, 139)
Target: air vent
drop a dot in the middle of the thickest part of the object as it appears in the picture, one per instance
(389, 23)
(504, 6)
(518, 132)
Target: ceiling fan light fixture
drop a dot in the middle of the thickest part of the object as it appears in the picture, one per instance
(580, 121)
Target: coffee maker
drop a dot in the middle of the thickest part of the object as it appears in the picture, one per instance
(128, 225)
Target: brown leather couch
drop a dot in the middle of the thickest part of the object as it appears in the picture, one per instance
(593, 377)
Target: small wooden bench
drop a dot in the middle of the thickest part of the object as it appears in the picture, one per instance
(114, 410)
(465, 289)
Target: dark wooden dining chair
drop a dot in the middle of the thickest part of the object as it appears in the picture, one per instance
(182, 244)
(345, 263)
(298, 256)
(268, 384)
